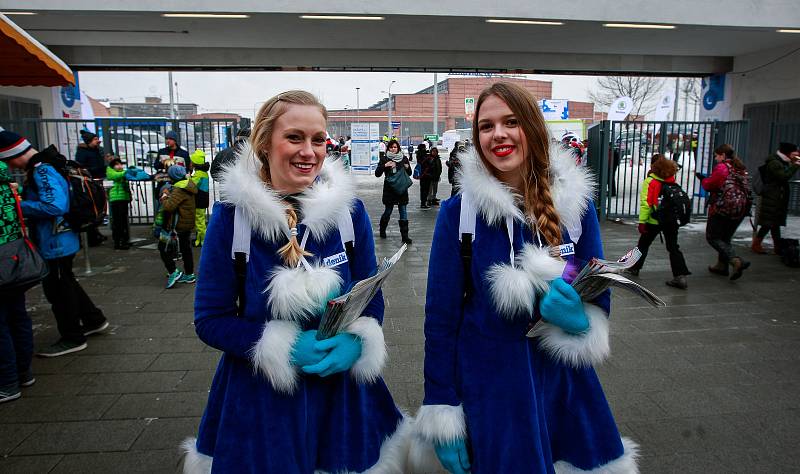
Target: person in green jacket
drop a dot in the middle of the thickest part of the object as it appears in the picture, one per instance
(662, 170)
(200, 178)
(774, 200)
(119, 198)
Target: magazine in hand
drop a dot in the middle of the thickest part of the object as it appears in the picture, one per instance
(599, 274)
(345, 309)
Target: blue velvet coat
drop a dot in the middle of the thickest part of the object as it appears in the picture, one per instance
(330, 424)
(525, 410)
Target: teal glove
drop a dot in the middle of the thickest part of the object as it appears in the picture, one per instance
(562, 307)
(343, 351)
(453, 456)
(303, 352)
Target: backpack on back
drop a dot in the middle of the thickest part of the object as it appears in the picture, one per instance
(87, 197)
(733, 200)
(674, 206)
(758, 181)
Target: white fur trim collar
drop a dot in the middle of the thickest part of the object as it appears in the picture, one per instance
(321, 204)
(571, 186)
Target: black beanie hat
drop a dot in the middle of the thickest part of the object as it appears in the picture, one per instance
(87, 136)
(786, 148)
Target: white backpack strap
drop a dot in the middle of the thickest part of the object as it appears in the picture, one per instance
(466, 220)
(345, 223)
(241, 235)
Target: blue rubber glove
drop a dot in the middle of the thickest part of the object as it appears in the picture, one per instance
(343, 351)
(562, 307)
(303, 351)
(453, 456)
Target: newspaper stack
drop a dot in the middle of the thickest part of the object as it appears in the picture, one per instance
(345, 309)
(599, 274)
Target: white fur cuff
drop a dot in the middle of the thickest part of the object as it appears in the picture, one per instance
(194, 462)
(441, 423)
(625, 464)
(578, 350)
(272, 354)
(369, 366)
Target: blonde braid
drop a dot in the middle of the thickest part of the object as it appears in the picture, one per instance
(292, 252)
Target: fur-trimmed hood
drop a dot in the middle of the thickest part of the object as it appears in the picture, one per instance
(571, 186)
(241, 185)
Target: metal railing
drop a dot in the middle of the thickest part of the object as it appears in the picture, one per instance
(136, 141)
(620, 153)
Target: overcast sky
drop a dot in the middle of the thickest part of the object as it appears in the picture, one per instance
(241, 92)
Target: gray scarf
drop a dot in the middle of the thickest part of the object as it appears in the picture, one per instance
(396, 157)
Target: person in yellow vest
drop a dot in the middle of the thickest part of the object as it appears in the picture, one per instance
(200, 178)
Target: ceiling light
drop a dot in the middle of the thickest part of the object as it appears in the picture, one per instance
(204, 15)
(524, 22)
(639, 25)
(788, 31)
(18, 13)
(341, 17)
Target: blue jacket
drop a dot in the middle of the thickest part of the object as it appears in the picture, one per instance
(45, 203)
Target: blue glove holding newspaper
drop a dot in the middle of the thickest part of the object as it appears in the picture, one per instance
(562, 307)
(303, 351)
(343, 351)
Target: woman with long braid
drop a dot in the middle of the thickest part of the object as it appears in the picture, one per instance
(282, 401)
(497, 400)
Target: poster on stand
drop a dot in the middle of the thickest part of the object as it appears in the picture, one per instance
(365, 147)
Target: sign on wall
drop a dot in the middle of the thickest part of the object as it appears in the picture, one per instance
(469, 108)
(365, 147)
(555, 109)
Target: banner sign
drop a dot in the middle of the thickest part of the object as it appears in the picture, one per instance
(555, 109)
(620, 109)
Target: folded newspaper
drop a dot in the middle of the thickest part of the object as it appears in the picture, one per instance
(600, 274)
(345, 309)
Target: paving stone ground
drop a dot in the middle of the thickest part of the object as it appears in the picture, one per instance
(709, 384)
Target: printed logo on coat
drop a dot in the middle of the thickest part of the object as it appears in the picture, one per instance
(566, 249)
(335, 260)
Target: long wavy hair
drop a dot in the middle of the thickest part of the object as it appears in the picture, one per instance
(261, 141)
(730, 154)
(537, 201)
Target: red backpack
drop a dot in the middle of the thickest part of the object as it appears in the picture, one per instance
(734, 199)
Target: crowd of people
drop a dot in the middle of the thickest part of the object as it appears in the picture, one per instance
(289, 233)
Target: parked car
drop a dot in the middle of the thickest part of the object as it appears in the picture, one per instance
(134, 145)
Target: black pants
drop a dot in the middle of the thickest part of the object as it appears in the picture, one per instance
(120, 230)
(774, 230)
(93, 236)
(424, 189)
(185, 246)
(719, 232)
(72, 307)
(676, 260)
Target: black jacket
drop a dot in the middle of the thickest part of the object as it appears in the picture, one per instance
(91, 159)
(390, 198)
(224, 158)
(775, 197)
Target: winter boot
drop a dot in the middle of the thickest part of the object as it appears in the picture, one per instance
(404, 231)
(383, 224)
(678, 282)
(720, 268)
(756, 245)
(739, 266)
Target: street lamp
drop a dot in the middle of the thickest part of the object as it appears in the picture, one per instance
(389, 93)
(358, 106)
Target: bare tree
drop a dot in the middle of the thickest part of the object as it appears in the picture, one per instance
(642, 90)
(690, 92)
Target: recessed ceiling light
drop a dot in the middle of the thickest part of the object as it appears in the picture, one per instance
(788, 31)
(646, 26)
(524, 22)
(205, 15)
(341, 17)
(18, 13)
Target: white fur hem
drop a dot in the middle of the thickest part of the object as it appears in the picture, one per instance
(194, 462)
(271, 355)
(625, 464)
(578, 350)
(369, 366)
(441, 423)
(297, 294)
(393, 458)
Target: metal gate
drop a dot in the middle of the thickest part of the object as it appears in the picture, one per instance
(136, 141)
(620, 152)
